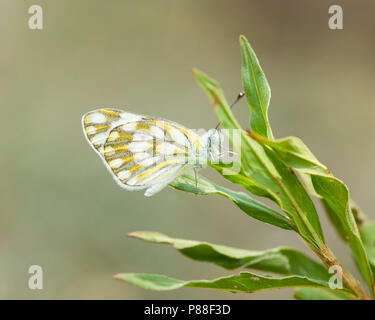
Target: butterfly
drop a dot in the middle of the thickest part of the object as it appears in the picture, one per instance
(144, 152)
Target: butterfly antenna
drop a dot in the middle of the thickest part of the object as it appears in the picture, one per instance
(239, 97)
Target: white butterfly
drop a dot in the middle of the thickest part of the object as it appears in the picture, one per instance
(145, 152)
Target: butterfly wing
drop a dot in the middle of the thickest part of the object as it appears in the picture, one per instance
(140, 152)
(97, 124)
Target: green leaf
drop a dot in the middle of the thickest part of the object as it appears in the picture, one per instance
(284, 261)
(367, 231)
(335, 220)
(332, 191)
(336, 195)
(320, 294)
(217, 99)
(302, 270)
(151, 281)
(293, 152)
(244, 282)
(264, 170)
(257, 90)
(243, 180)
(251, 207)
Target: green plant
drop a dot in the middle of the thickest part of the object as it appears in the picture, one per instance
(285, 171)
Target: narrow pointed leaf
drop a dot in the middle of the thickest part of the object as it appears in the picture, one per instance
(335, 220)
(293, 152)
(244, 282)
(367, 231)
(257, 90)
(243, 180)
(281, 260)
(251, 207)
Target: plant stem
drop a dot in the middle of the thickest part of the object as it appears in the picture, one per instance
(329, 259)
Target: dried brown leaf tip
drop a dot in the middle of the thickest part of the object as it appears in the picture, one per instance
(216, 100)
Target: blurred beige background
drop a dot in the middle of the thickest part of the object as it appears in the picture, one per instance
(59, 206)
